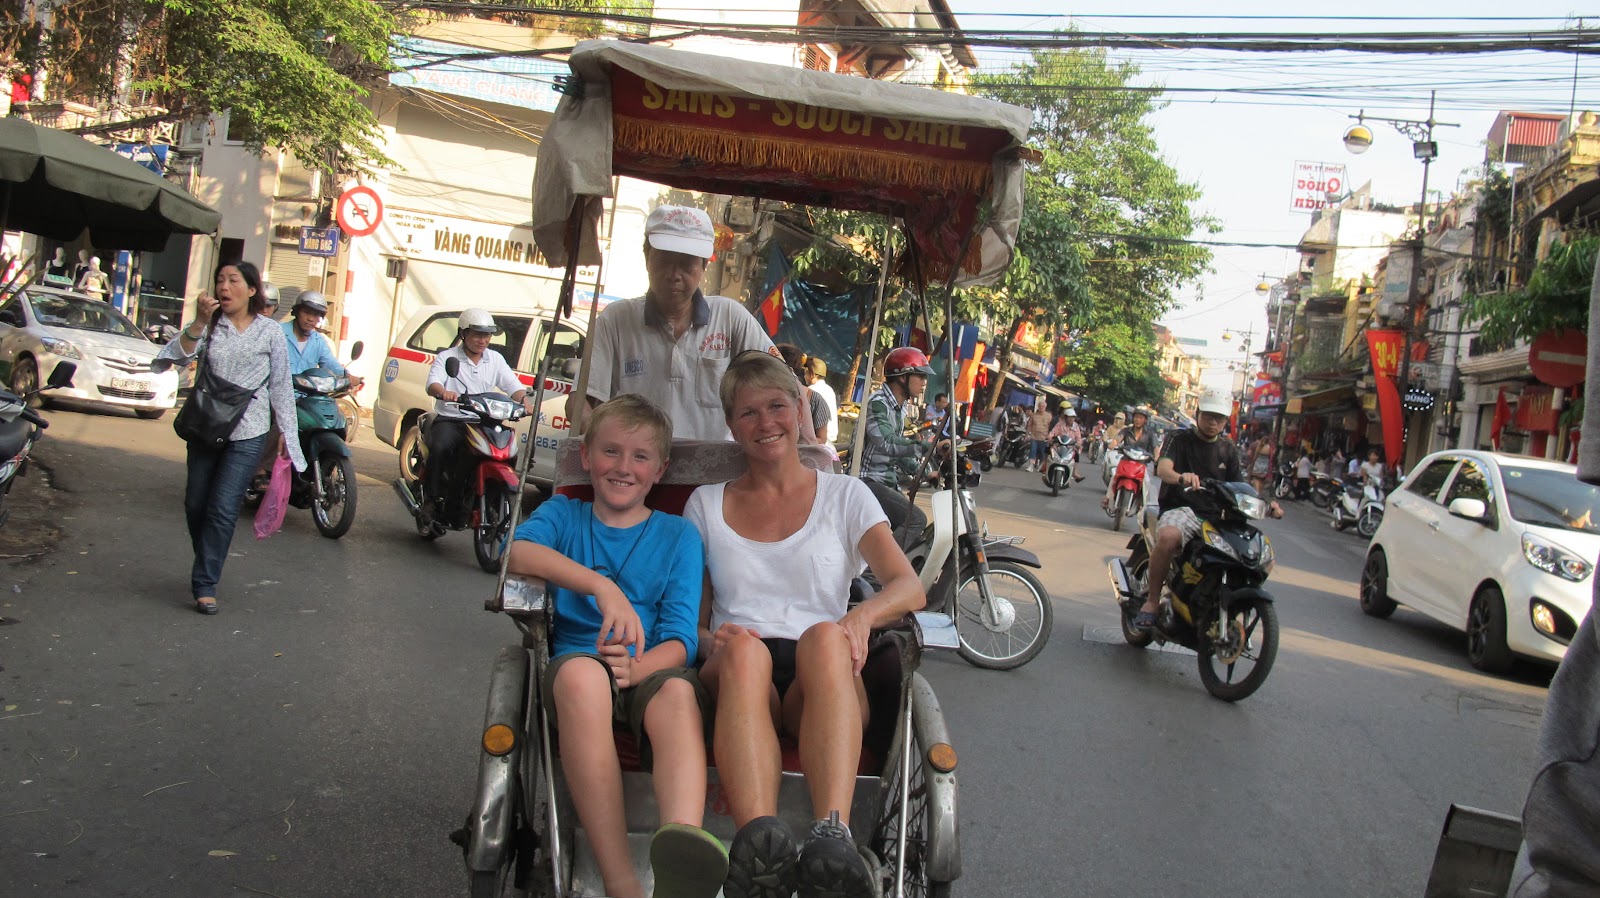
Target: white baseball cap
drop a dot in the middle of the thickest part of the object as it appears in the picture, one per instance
(680, 229)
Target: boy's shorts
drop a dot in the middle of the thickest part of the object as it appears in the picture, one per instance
(628, 705)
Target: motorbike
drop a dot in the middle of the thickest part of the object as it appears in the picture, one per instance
(1361, 504)
(1063, 460)
(966, 472)
(1213, 601)
(481, 486)
(328, 484)
(980, 453)
(20, 427)
(1015, 447)
(1324, 488)
(1283, 481)
(1108, 464)
(1127, 498)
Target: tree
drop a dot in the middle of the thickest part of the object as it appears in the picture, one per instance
(1114, 364)
(1556, 297)
(292, 72)
(1105, 215)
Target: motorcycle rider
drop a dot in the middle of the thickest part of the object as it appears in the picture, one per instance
(308, 348)
(481, 371)
(889, 457)
(1136, 434)
(1067, 426)
(1189, 458)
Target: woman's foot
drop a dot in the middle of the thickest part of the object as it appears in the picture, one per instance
(831, 866)
(205, 605)
(761, 861)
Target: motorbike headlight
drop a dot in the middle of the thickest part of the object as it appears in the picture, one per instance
(61, 348)
(1252, 506)
(499, 408)
(1219, 542)
(1553, 559)
(315, 383)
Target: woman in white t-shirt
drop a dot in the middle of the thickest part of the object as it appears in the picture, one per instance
(782, 651)
(1372, 470)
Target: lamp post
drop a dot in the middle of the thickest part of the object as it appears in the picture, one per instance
(1358, 139)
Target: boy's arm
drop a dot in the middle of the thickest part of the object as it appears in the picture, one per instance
(677, 631)
(619, 622)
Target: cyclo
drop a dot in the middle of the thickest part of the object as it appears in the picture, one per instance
(949, 168)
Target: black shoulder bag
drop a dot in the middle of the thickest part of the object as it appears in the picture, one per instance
(213, 408)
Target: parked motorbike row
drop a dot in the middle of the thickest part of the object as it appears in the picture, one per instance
(20, 427)
(1347, 502)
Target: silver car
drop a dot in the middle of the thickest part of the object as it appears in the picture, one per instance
(42, 326)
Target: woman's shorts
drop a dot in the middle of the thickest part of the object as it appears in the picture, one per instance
(628, 705)
(782, 651)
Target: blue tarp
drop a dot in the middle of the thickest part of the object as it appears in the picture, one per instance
(822, 324)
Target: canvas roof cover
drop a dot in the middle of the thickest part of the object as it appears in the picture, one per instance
(729, 126)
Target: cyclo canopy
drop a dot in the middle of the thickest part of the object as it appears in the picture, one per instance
(728, 126)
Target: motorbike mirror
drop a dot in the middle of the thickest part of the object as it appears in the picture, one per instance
(61, 376)
(452, 367)
(355, 351)
(1471, 509)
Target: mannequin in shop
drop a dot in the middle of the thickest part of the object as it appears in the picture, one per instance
(93, 281)
(57, 266)
(81, 267)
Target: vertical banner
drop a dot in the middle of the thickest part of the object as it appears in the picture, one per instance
(1384, 346)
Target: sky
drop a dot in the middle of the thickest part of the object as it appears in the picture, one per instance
(1241, 148)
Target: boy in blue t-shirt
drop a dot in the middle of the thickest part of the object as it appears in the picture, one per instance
(627, 585)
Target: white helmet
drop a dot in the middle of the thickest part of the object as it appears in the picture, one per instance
(1071, 412)
(313, 300)
(477, 320)
(1216, 402)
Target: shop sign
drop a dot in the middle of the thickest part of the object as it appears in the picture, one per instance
(1536, 409)
(425, 237)
(319, 242)
(1314, 182)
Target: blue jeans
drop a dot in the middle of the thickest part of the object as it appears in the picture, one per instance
(217, 482)
(1041, 448)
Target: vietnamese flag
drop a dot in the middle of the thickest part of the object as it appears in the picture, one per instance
(1502, 417)
(772, 308)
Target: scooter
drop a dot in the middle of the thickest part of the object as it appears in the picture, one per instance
(1127, 498)
(1361, 505)
(1324, 489)
(481, 486)
(328, 484)
(1283, 481)
(1015, 447)
(1109, 463)
(20, 427)
(1063, 460)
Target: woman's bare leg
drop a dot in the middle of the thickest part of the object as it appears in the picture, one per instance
(827, 708)
(739, 678)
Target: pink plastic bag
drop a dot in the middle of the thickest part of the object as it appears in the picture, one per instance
(275, 503)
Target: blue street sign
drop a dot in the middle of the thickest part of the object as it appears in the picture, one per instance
(319, 242)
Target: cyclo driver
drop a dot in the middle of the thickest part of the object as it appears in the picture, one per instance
(888, 455)
(1189, 457)
(481, 371)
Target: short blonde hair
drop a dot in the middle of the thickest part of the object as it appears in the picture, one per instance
(631, 411)
(759, 370)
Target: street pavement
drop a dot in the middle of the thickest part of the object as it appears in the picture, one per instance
(318, 736)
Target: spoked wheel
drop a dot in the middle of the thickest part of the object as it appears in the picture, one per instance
(1367, 524)
(1282, 490)
(1138, 570)
(1375, 586)
(1486, 631)
(334, 508)
(1235, 662)
(411, 455)
(352, 414)
(1011, 634)
(490, 537)
(887, 842)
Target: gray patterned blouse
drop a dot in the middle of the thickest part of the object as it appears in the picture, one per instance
(258, 355)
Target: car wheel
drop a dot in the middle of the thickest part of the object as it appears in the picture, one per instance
(25, 380)
(1486, 631)
(1374, 596)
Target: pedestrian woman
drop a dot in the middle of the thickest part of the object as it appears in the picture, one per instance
(242, 347)
(1038, 435)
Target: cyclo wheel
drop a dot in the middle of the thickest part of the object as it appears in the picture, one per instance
(1251, 635)
(334, 508)
(886, 838)
(488, 539)
(1032, 617)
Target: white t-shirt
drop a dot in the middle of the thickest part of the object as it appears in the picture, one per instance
(781, 589)
(822, 389)
(1302, 468)
(634, 352)
(490, 373)
(1373, 470)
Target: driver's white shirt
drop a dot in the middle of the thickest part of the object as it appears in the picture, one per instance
(488, 374)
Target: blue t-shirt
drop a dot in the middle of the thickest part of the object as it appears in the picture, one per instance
(658, 564)
(317, 352)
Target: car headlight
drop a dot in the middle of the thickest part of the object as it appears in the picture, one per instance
(61, 348)
(1219, 542)
(1553, 559)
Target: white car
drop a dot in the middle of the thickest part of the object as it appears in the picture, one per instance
(41, 327)
(1501, 547)
(403, 395)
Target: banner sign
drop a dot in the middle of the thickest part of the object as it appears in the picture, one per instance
(151, 156)
(469, 72)
(1313, 182)
(1536, 409)
(426, 237)
(1383, 344)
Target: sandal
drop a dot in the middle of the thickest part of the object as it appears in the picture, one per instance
(687, 862)
(1144, 621)
(204, 606)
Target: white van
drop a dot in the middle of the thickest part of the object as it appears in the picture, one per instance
(403, 396)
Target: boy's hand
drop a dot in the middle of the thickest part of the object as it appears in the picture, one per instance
(727, 632)
(621, 663)
(619, 623)
(859, 632)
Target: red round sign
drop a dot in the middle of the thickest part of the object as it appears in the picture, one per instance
(359, 211)
(1558, 357)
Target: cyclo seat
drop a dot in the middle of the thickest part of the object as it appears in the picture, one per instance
(693, 464)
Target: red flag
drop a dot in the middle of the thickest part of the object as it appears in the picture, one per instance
(772, 309)
(1502, 417)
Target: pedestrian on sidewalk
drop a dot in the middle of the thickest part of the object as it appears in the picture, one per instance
(245, 348)
(1038, 434)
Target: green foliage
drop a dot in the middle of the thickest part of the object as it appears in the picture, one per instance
(1556, 297)
(1115, 365)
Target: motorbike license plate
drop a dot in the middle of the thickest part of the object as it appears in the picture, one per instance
(129, 383)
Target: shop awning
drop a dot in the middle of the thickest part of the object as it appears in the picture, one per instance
(1323, 402)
